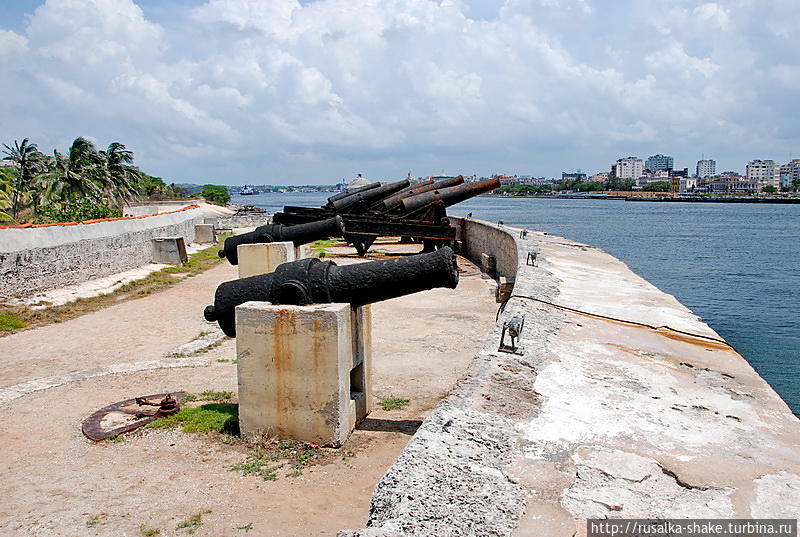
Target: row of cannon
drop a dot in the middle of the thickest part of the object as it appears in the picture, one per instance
(359, 216)
(377, 209)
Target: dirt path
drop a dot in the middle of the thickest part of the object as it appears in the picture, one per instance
(57, 483)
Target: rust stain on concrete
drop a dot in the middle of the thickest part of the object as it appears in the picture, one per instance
(282, 354)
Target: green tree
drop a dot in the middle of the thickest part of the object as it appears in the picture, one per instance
(6, 178)
(658, 186)
(216, 194)
(120, 175)
(796, 184)
(29, 162)
(79, 174)
(769, 189)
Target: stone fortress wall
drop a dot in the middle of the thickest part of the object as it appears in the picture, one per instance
(621, 403)
(37, 259)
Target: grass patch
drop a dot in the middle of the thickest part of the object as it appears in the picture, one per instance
(208, 395)
(10, 322)
(17, 317)
(97, 520)
(211, 418)
(393, 403)
(148, 532)
(319, 247)
(193, 522)
(291, 455)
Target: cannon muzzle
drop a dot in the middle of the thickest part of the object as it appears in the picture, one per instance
(448, 196)
(312, 281)
(298, 234)
(392, 202)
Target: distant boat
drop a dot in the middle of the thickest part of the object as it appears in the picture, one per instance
(248, 191)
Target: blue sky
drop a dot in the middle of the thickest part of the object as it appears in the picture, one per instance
(236, 91)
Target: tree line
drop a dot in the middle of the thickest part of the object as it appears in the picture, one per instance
(82, 184)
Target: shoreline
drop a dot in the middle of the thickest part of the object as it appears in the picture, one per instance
(785, 201)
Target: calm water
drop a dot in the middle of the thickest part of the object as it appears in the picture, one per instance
(736, 266)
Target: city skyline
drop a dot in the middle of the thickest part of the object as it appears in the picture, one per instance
(286, 92)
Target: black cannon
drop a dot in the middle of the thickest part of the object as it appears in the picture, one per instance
(416, 206)
(387, 204)
(358, 201)
(298, 234)
(312, 281)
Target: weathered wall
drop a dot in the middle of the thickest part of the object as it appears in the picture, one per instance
(145, 208)
(621, 404)
(478, 237)
(242, 221)
(38, 259)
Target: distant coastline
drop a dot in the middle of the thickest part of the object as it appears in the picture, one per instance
(691, 199)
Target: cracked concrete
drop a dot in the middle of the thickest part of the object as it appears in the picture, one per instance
(623, 404)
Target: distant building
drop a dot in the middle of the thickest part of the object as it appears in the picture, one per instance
(687, 184)
(601, 177)
(789, 173)
(659, 162)
(7, 163)
(628, 168)
(764, 172)
(679, 173)
(705, 168)
(719, 186)
(579, 176)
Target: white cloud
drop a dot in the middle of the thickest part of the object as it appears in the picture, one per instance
(285, 90)
(12, 43)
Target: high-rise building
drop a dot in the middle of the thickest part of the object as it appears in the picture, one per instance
(705, 168)
(790, 173)
(764, 172)
(628, 168)
(658, 162)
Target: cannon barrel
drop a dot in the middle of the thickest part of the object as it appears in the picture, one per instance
(366, 197)
(312, 281)
(448, 196)
(298, 234)
(410, 191)
(346, 193)
(393, 201)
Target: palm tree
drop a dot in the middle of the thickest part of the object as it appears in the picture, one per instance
(120, 174)
(78, 174)
(29, 162)
(5, 197)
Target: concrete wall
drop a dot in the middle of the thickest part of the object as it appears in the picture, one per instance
(145, 208)
(478, 237)
(621, 403)
(242, 221)
(39, 259)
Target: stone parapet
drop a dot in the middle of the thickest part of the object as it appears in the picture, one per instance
(624, 404)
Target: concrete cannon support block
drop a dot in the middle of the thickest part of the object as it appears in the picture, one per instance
(255, 259)
(205, 233)
(304, 371)
(169, 250)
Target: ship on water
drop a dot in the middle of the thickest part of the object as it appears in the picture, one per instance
(248, 191)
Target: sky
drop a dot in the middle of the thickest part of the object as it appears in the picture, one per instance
(314, 92)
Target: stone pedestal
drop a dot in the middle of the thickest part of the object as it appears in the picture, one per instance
(304, 371)
(303, 251)
(204, 234)
(255, 259)
(169, 250)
